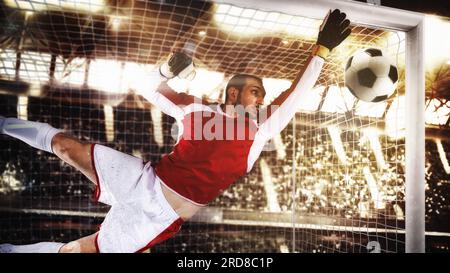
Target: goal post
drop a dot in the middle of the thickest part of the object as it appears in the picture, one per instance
(413, 25)
(415, 140)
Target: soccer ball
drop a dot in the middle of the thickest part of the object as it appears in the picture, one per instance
(371, 75)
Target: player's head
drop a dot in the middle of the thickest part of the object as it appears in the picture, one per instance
(245, 90)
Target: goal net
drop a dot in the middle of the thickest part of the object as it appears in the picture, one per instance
(332, 181)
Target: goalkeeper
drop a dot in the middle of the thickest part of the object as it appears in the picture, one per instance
(149, 202)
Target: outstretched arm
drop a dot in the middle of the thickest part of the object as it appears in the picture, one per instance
(166, 99)
(159, 93)
(277, 115)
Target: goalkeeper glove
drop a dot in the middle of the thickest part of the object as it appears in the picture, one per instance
(333, 30)
(180, 65)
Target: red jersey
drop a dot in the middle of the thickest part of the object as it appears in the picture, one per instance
(205, 162)
(214, 149)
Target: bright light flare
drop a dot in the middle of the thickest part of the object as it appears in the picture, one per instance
(437, 41)
(274, 87)
(335, 135)
(106, 75)
(272, 197)
(443, 156)
(338, 100)
(372, 135)
(250, 22)
(395, 118)
(41, 5)
(375, 194)
(437, 113)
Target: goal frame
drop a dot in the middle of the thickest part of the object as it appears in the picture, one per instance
(413, 24)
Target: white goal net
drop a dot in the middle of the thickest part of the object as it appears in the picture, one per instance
(332, 181)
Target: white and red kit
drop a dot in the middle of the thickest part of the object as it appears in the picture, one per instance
(207, 157)
(213, 150)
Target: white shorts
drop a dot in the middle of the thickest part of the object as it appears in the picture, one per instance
(140, 215)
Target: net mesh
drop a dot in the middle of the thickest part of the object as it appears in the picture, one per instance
(332, 181)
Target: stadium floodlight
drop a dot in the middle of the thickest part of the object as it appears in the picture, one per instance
(115, 22)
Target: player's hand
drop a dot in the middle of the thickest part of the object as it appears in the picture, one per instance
(334, 29)
(179, 64)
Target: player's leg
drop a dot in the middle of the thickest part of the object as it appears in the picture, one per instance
(83, 245)
(44, 137)
(43, 247)
(75, 153)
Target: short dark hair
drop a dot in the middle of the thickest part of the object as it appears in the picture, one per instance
(238, 81)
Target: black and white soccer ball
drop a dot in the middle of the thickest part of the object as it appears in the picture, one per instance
(371, 75)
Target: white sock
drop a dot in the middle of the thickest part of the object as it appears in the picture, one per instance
(36, 134)
(44, 247)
